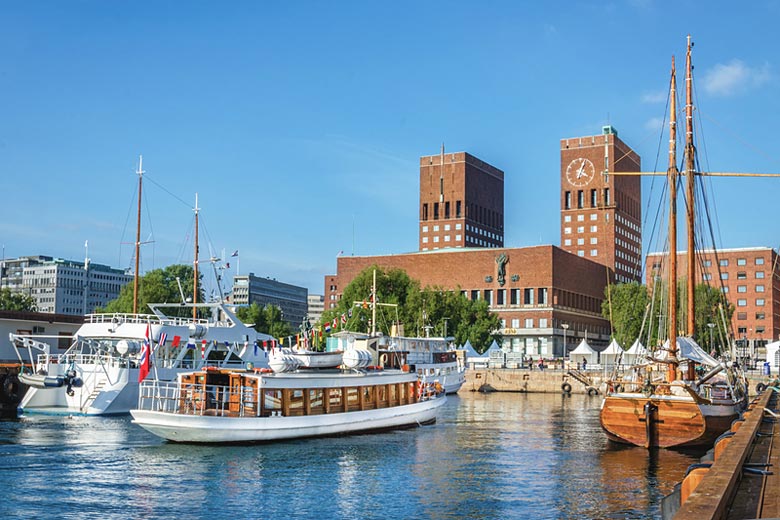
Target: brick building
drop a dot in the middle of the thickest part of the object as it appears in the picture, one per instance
(461, 202)
(601, 214)
(542, 289)
(750, 278)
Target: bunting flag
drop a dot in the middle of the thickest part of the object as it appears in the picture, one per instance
(349, 312)
(203, 349)
(145, 355)
(255, 347)
(162, 340)
(344, 318)
(190, 345)
(176, 341)
(327, 327)
(235, 253)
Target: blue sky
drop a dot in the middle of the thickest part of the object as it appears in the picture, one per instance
(300, 124)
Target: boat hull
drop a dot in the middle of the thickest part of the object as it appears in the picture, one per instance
(664, 421)
(218, 429)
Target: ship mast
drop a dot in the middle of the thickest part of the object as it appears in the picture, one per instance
(140, 173)
(195, 267)
(672, 174)
(690, 165)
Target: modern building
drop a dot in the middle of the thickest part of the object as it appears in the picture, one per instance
(461, 202)
(750, 279)
(63, 286)
(291, 299)
(58, 330)
(316, 307)
(601, 212)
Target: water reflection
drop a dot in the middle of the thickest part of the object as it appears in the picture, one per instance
(490, 456)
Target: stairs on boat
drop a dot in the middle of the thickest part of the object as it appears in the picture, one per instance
(586, 380)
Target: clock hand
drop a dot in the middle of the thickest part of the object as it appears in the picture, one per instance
(581, 171)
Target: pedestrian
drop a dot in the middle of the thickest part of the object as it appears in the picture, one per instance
(584, 364)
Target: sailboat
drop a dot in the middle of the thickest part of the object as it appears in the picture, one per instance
(99, 373)
(679, 396)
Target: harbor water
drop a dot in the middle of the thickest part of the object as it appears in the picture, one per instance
(501, 455)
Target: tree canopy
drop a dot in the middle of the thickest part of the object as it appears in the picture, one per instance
(157, 286)
(13, 301)
(433, 310)
(267, 320)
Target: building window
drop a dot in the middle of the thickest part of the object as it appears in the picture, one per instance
(594, 252)
(759, 261)
(435, 211)
(488, 296)
(741, 303)
(514, 296)
(742, 316)
(425, 212)
(567, 242)
(516, 323)
(760, 315)
(446, 227)
(567, 200)
(725, 289)
(594, 229)
(425, 229)
(529, 323)
(759, 274)
(594, 240)
(580, 253)
(580, 241)
(542, 323)
(741, 261)
(759, 288)
(425, 240)
(580, 229)
(447, 209)
(607, 201)
(567, 218)
(593, 198)
(475, 295)
(724, 276)
(446, 238)
(707, 263)
(501, 297)
(724, 263)
(457, 209)
(436, 228)
(580, 199)
(542, 296)
(435, 239)
(528, 296)
(741, 288)
(457, 238)
(741, 275)
(567, 231)
(706, 276)
(594, 216)
(759, 302)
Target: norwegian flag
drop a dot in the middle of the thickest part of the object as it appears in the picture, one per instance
(146, 352)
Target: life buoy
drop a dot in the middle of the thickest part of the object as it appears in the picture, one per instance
(760, 387)
(566, 387)
(592, 391)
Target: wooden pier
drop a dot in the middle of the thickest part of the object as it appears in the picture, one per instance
(743, 480)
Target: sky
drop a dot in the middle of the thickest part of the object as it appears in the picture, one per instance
(300, 124)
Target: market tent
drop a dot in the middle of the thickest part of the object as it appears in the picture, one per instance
(613, 354)
(635, 353)
(773, 356)
(473, 357)
(584, 351)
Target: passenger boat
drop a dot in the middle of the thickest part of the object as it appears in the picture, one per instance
(216, 405)
(99, 373)
(677, 395)
(432, 358)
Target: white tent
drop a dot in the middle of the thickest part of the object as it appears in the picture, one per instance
(493, 348)
(473, 357)
(613, 354)
(584, 351)
(635, 353)
(773, 356)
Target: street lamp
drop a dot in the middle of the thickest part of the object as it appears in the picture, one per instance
(565, 327)
(712, 347)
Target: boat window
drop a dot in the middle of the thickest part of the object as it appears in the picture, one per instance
(272, 399)
(336, 398)
(393, 394)
(381, 394)
(353, 398)
(315, 401)
(368, 396)
(296, 402)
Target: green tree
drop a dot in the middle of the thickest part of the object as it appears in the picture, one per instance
(267, 320)
(624, 305)
(12, 301)
(158, 286)
(712, 307)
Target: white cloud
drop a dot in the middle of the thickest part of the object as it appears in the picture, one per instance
(654, 97)
(734, 77)
(654, 124)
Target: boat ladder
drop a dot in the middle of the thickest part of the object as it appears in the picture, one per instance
(94, 394)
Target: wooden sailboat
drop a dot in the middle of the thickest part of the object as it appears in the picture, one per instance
(656, 404)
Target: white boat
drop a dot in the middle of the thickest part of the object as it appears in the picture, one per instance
(224, 406)
(99, 373)
(432, 358)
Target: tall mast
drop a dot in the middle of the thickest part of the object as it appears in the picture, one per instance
(373, 306)
(140, 173)
(690, 178)
(195, 266)
(672, 174)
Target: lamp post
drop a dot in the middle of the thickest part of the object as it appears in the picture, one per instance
(445, 327)
(711, 326)
(565, 327)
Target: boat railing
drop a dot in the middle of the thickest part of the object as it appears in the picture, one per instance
(121, 317)
(198, 399)
(706, 391)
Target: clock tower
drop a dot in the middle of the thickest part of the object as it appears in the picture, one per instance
(601, 213)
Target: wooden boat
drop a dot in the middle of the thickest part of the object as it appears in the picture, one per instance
(224, 406)
(665, 400)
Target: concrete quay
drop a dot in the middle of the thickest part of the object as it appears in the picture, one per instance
(549, 380)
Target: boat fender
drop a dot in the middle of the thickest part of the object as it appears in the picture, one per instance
(760, 387)
(383, 360)
(53, 382)
(618, 388)
(566, 387)
(593, 391)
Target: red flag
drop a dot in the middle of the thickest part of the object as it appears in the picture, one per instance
(146, 353)
(176, 341)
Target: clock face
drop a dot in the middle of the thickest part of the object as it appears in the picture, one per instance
(580, 172)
